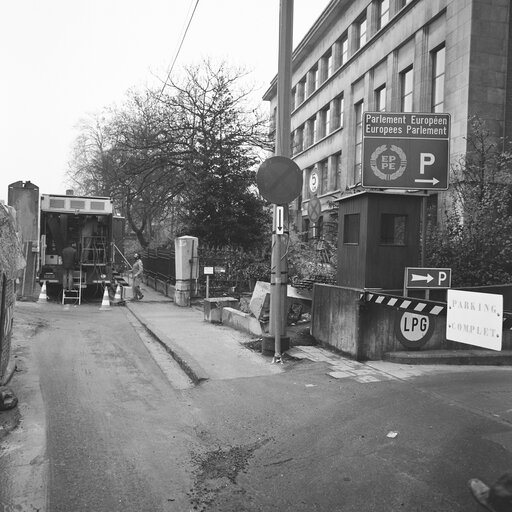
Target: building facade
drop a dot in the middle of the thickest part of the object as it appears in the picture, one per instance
(444, 56)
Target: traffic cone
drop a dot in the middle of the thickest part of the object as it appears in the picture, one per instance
(42, 295)
(117, 297)
(105, 303)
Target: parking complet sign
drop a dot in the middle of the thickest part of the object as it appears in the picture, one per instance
(406, 150)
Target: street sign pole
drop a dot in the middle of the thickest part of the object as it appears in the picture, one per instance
(279, 264)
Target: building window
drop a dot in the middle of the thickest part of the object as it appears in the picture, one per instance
(326, 66)
(361, 26)
(319, 228)
(344, 50)
(326, 122)
(313, 80)
(403, 3)
(273, 121)
(311, 134)
(358, 142)
(301, 88)
(438, 72)
(337, 170)
(351, 228)
(323, 171)
(406, 82)
(298, 140)
(304, 235)
(380, 99)
(337, 114)
(383, 13)
(393, 229)
(306, 191)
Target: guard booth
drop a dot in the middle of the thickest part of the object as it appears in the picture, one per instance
(378, 236)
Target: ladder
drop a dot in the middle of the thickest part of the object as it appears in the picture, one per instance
(74, 295)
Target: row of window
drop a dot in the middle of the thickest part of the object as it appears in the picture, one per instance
(323, 123)
(331, 117)
(329, 167)
(338, 54)
(406, 101)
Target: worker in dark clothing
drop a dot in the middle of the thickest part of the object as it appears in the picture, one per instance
(69, 261)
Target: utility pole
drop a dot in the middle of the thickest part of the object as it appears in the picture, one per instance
(279, 265)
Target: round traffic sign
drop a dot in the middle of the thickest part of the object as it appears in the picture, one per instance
(279, 180)
(314, 209)
(313, 182)
(413, 330)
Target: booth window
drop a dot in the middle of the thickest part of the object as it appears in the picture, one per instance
(351, 228)
(393, 229)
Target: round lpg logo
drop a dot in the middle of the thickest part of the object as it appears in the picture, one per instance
(413, 330)
(388, 162)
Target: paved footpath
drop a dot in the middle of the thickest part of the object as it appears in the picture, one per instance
(204, 350)
(211, 351)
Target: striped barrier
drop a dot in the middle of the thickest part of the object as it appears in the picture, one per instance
(405, 303)
(418, 306)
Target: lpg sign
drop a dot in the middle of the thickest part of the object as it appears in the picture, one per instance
(413, 330)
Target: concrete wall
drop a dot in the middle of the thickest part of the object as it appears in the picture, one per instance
(335, 318)
(367, 330)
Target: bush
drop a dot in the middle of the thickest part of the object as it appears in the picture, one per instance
(476, 241)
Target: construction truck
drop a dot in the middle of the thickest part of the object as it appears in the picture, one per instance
(88, 224)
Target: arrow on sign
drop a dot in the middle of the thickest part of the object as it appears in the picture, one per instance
(433, 181)
(279, 220)
(417, 277)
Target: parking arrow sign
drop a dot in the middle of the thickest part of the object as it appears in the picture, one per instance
(426, 278)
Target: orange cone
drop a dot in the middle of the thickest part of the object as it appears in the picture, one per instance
(117, 297)
(42, 296)
(105, 303)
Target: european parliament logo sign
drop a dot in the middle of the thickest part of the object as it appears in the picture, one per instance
(406, 150)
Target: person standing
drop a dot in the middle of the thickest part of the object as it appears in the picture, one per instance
(137, 270)
(69, 261)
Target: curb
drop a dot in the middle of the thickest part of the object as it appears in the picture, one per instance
(187, 363)
(454, 357)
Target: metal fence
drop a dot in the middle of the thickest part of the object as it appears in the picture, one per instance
(160, 264)
(230, 268)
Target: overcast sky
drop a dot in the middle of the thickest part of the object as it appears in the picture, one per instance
(63, 59)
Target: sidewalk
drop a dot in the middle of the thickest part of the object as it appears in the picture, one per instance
(204, 350)
(210, 351)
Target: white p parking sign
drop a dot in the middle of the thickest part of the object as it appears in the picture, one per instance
(426, 278)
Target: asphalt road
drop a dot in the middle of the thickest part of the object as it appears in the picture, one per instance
(110, 424)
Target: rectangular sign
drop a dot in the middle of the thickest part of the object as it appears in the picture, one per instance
(475, 318)
(208, 271)
(426, 278)
(406, 150)
(279, 220)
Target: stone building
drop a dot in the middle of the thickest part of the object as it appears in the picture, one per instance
(447, 56)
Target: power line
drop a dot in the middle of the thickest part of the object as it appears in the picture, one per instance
(179, 47)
